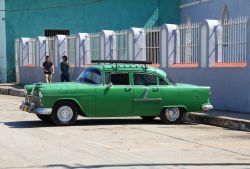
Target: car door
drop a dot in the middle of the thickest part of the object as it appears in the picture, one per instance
(147, 95)
(115, 97)
(85, 95)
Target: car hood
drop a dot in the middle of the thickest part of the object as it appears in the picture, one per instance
(54, 87)
(58, 84)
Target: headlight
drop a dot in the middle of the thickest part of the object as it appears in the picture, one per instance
(40, 94)
(25, 92)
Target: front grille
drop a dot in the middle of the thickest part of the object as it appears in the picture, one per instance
(34, 100)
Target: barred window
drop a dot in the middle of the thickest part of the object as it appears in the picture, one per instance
(54, 32)
(152, 44)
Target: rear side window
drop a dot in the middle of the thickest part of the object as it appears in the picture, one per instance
(117, 78)
(145, 79)
(162, 81)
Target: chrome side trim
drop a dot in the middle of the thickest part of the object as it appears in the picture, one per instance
(147, 99)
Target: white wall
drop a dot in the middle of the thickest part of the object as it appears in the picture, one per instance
(3, 64)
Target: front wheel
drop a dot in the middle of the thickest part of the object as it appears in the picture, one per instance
(171, 115)
(64, 113)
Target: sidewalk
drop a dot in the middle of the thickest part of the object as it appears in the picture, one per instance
(232, 120)
(12, 89)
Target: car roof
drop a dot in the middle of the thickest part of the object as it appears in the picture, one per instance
(129, 68)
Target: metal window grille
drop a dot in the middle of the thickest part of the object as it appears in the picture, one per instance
(188, 43)
(152, 44)
(121, 48)
(94, 45)
(71, 49)
(31, 51)
(232, 40)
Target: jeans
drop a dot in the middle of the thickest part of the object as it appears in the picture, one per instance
(64, 78)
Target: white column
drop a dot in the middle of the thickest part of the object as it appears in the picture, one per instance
(106, 44)
(136, 44)
(40, 50)
(82, 50)
(60, 48)
(177, 57)
(114, 46)
(167, 44)
(208, 43)
(24, 51)
(17, 60)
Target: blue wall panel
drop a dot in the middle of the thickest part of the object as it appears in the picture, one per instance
(213, 9)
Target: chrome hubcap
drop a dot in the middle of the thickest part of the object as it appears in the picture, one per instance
(65, 114)
(172, 114)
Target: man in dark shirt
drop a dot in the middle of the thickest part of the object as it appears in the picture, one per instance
(64, 66)
(48, 69)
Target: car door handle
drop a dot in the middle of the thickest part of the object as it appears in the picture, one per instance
(126, 89)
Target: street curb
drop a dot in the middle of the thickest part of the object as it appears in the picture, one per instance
(231, 123)
(11, 91)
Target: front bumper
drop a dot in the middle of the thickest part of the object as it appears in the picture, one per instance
(207, 107)
(37, 110)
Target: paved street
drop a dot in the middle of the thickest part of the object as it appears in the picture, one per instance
(25, 142)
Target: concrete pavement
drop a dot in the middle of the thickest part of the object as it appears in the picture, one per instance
(26, 142)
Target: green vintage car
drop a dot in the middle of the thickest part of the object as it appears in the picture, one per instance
(116, 90)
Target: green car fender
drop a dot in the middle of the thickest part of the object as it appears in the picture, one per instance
(80, 108)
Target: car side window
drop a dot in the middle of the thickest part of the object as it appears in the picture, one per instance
(162, 81)
(117, 78)
(145, 79)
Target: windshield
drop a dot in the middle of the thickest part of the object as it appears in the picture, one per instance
(90, 75)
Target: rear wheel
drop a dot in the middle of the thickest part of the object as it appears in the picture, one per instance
(171, 115)
(44, 118)
(64, 113)
(148, 118)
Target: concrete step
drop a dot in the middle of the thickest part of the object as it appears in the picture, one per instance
(222, 119)
(12, 89)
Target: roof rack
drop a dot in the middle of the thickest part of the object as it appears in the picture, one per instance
(122, 61)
